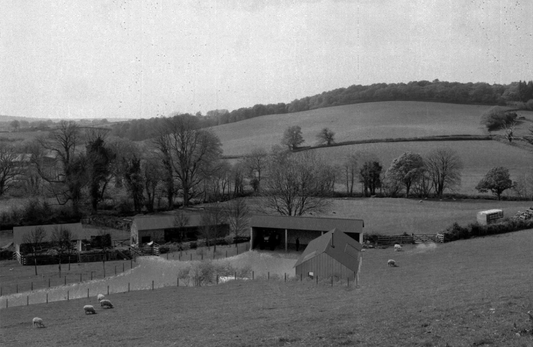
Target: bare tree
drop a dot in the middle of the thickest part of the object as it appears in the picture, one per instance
(62, 242)
(99, 157)
(212, 220)
(256, 163)
(444, 168)
(194, 152)
(237, 216)
(326, 136)
(181, 221)
(349, 172)
(11, 166)
(295, 184)
(35, 239)
(163, 145)
(58, 163)
(152, 172)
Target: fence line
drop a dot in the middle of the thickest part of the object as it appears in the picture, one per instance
(85, 290)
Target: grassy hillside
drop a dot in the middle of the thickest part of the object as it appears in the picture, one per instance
(355, 122)
(478, 157)
(464, 293)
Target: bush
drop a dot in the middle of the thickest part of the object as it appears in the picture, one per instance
(164, 249)
(457, 232)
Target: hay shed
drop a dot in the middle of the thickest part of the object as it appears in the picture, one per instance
(285, 232)
(334, 254)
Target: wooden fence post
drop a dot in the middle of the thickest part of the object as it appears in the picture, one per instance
(27, 300)
(152, 284)
(47, 298)
(68, 295)
(87, 293)
(107, 290)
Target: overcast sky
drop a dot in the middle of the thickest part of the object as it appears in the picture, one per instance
(144, 58)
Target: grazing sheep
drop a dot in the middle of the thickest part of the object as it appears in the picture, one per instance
(89, 309)
(100, 297)
(38, 322)
(106, 304)
(397, 247)
(392, 263)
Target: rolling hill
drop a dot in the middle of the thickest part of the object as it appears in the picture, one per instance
(386, 120)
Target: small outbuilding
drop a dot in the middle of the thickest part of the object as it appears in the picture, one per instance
(334, 254)
(170, 228)
(21, 235)
(288, 232)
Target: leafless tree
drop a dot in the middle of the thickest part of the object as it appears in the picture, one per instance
(444, 167)
(350, 173)
(163, 145)
(12, 166)
(194, 153)
(212, 220)
(34, 239)
(62, 242)
(152, 171)
(295, 184)
(59, 163)
(237, 216)
(181, 221)
(256, 163)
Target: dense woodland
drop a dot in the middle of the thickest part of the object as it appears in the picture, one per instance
(517, 94)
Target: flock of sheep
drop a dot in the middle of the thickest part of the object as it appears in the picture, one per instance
(397, 248)
(88, 309)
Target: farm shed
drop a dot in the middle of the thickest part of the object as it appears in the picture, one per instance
(78, 234)
(284, 231)
(489, 216)
(332, 254)
(165, 228)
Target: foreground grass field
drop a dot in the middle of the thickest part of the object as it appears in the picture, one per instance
(464, 293)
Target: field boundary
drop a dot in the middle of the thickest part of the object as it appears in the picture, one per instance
(461, 137)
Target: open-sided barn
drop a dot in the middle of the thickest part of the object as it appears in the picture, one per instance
(291, 232)
(334, 254)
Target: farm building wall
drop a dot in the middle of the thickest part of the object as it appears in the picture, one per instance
(156, 235)
(324, 266)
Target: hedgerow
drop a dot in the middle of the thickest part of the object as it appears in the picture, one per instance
(457, 232)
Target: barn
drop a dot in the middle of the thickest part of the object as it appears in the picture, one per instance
(334, 254)
(78, 234)
(286, 232)
(169, 228)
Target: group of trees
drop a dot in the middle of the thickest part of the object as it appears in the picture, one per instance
(519, 94)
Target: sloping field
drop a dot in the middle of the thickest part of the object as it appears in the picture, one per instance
(478, 156)
(464, 293)
(397, 216)
(378, 120)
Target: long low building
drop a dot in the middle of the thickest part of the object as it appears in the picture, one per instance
(288, 232)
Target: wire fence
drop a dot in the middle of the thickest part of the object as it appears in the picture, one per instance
(116, 286)
(156, 272)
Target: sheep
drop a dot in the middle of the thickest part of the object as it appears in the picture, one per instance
(89, 309)
(106, 304)
(397, 247)
(392, 263)
(38, 322)
(100, 297)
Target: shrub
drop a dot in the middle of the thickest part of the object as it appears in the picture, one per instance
(228, 239)
(456, 232)
(164, 249)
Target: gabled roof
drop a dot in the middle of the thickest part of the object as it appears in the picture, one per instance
(307, 223)
(166, 221)
(78, 233)
(337, 245)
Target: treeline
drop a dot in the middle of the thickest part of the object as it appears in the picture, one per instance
(517, 94)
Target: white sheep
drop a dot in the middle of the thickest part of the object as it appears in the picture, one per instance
(38, 322)
(106, 304)
(89, 309)
(397, 247)
(392, 263)
(100, 297)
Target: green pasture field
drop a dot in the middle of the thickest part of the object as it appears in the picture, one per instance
(464, 293)
(377, 120)
(23, 135)
(478, 157)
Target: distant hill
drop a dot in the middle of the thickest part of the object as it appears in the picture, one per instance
(387, 120)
